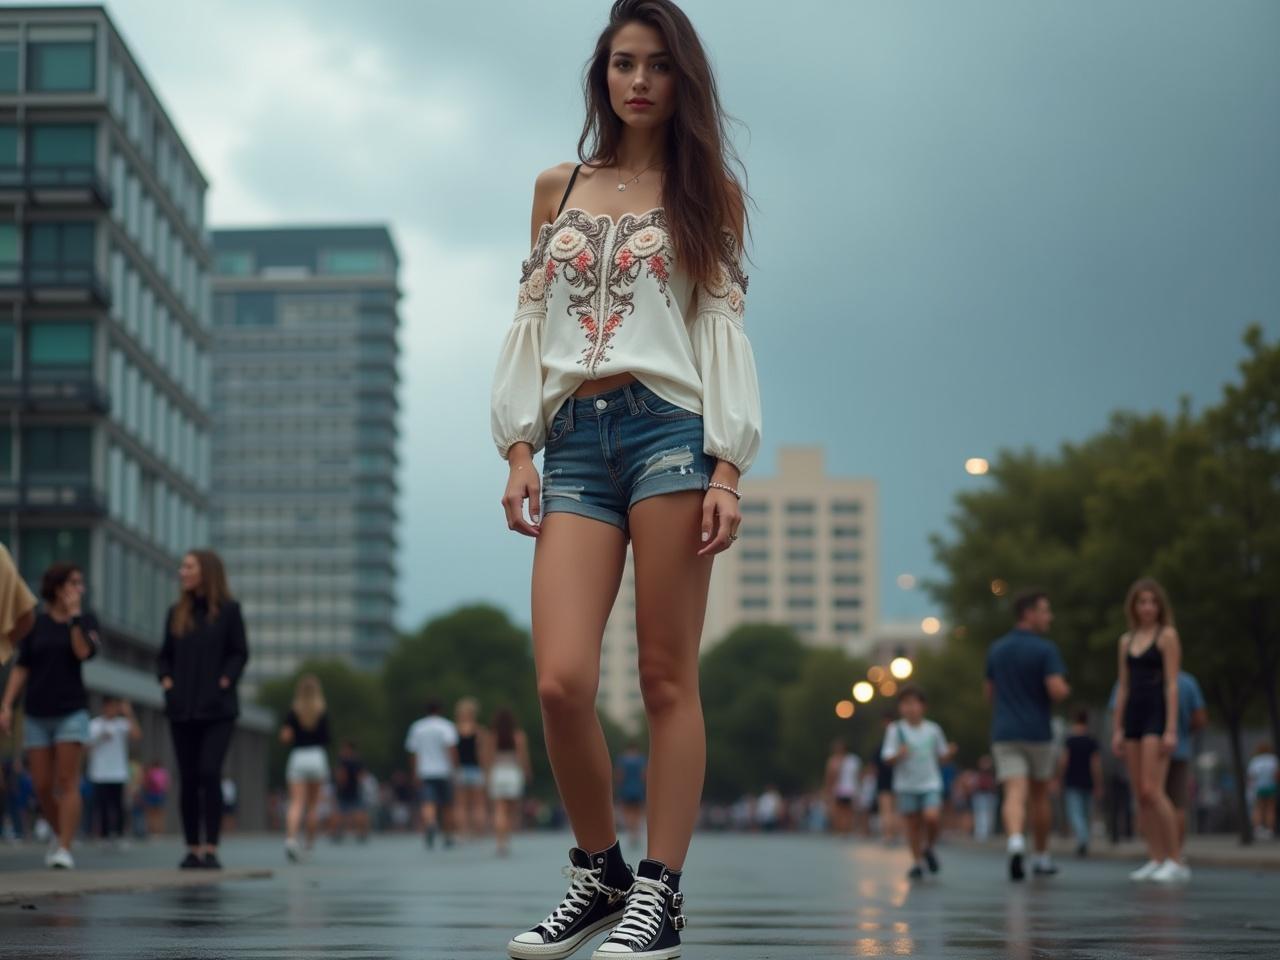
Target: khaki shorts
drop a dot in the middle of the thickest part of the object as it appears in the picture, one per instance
(1024, 758)
(1175, 785)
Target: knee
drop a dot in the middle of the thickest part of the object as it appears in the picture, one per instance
(564, 695)
(663, 685)
(1147, 795)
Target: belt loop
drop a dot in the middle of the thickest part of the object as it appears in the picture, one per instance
(631, 400)
(572, 402)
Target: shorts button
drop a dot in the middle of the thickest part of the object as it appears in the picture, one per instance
(601, 404)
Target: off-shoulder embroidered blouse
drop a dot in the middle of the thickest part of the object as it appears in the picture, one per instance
(598, 298)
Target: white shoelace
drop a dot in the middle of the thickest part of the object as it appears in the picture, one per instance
(582, 887)
(645, 905)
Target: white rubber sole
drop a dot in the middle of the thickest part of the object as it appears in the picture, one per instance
(670, 953)
(557, 951)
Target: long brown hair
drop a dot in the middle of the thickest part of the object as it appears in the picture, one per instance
(701, 194)
(213, 583)
(504, 729)
(1147, 585)
(308, 701)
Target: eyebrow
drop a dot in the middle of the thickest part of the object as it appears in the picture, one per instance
(627, 53)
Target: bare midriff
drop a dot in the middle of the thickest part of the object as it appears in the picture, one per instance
(591, 387)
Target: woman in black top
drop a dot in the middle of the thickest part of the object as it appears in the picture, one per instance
(470, 807)
(203, 655)
(57, 707)
(1146, 722)
(306, 730)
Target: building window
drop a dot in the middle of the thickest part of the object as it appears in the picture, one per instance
(60, 252)
(754, 579)
(40, 549)
(6, 453)
(848, 603)
(753, 532)
(848, 626)
(846, 556)
(8, 153)
(8, 65)
(847, 533)
(800, 603)
(847, 579)
(60, 59)
(10, 267)
(6, 351)
(354, 262)
(55, 454)
(235, 263)
(800, 579)
(755, 506)
(755, 555)
(61, 145)
(754, 603)
(802, 532)
(800, 556)
(803, 626)
(801, 507)
(54, 348)
(846, 507)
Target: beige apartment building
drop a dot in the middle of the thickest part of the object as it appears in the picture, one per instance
(807, 557)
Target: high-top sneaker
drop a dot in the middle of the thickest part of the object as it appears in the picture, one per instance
(650, 927)
(598, 885)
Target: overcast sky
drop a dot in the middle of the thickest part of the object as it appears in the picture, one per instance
(979, 225)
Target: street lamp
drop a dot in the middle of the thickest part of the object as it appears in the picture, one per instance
(844, 709)
(863, 691)
(901, 668)
(888, 688)
(976, 466)
(875, 674)
(931, 625)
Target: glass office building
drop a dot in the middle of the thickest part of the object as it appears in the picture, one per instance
(105, 379)
(304, 453)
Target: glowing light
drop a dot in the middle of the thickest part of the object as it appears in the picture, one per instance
(888, 688)
(976, 466)
(863, 691)
(875, 674)
(844, 709)
(901, 667)
(906, 581)
(930, 625)
(999, 588)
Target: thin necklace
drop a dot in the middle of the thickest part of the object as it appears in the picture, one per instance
(622, 185)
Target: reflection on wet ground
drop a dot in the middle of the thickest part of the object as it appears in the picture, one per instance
(775, 897)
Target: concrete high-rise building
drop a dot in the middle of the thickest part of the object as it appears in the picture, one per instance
(807, 558)
(304, 453)
(104, 338)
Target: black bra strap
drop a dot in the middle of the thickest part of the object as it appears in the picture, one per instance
(565, 198)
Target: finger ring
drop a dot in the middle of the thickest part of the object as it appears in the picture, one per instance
(733, 537)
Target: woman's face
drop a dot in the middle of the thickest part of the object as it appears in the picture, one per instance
(1147, 607)
(642, 83)
(71, 593)
(189, 573)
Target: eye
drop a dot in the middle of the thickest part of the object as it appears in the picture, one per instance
(662, 67)
(621, 64)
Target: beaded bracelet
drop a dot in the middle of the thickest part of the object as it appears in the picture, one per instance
(724, 486)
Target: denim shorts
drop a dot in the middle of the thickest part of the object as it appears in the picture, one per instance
(608, 452)
(41, 732)
(911, 801)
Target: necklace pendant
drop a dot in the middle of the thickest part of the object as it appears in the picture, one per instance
(621, 187)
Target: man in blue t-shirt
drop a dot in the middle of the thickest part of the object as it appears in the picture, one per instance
(1025, 677)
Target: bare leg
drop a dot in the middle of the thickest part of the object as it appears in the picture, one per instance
(293, 818)
(40, 765)
(915, 836)
(1155, 769)
(671, 600)
(888, 817)
(1014, 812)
(1041, 815)
(66, 763)
(577, 568)
(311, 798)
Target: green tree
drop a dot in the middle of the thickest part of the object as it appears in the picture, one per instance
(809, 721)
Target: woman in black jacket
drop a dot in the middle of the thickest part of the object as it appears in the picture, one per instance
(203, 656)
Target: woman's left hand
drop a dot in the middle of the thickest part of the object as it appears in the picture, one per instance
(224, 682)
(1169, 742)
(720, 519)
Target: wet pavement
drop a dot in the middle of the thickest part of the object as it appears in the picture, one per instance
(758, 897)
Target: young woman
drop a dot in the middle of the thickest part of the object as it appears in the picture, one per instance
(201, 659)
(470, 804)
(630, 774)
(628, 362)
(1261, 774)
(840, 784)
(508, 768)
(1146, 722)
(306, 731)
(57, 706)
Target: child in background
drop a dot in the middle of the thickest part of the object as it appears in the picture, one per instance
(914, 746)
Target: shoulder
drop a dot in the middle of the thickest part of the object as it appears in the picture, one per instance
(1169, 635)
(549, 187)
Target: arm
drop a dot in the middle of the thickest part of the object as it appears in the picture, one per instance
(286, 734)
(515, 414)
(989, 691)
(164, 662)
(1171, 652)
(236, 654)
(522, 753)
(135, 729)
(1057, 686)
(486, 743)
(891, 752)
(17, 678)
(85, 641)
(1122, 699)
(731, 417)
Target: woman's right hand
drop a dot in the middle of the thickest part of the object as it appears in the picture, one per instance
(1117, 744)
(6, 720)
(523, 484)
(166, 683)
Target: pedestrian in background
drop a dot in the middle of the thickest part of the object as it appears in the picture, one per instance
(509, 770)
(840, 786)
(470, 804)
(630, 775)
(1193, 716)
(306, 732)
(109, 737)
(1262, 774)
(56, 708)
(1080, 769)
(986, 799)
(201, 660)
(1025, 676)
(884, 784)
(432, 743)
(155, 794)
(1146, 723)
(350, 792)
(916, 747)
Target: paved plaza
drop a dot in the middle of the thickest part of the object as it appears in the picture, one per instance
(758, 898)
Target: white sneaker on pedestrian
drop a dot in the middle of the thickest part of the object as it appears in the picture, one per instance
(292, 850)
(1168, 872)
(1184, 873)
(61, 859)
(1144, 872)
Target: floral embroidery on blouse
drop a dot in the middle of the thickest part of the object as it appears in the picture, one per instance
(729, 285)
(641, 244)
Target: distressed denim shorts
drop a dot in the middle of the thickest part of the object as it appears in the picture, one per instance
(608, 452)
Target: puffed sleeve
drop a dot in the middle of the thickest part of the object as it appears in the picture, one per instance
(516, 400)
(730, 391)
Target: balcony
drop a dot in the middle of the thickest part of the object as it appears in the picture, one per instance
(55, 283)
(55, 186)
(73, 390)
(59, 497)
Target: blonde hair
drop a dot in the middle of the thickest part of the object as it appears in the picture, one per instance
(469, 707)
(308, 701)
(1147, 585)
